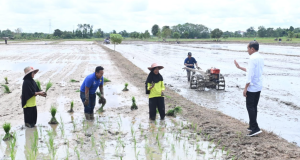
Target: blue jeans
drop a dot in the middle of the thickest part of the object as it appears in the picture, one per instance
(92, 101)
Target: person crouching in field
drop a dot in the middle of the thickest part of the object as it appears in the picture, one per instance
(88, 91)
(29, 92)
(155, 85)
(253, 85)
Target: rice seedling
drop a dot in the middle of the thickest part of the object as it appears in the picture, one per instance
(81, 142)
(77, 90)
(62, 128)
(50, 144)
(67, 151)
(77, 153)
(106, 80)
(132, 131)
(48, 86)
(167, 96)
(93, 141)
(34, 142)
(173, 148)
(102, 144)
(133, 106)
(228, 151)
(125, 88)
(53, 111)
(71, 107)
(74, 126)
(7, 127)
(223, 149)
(38, 83)
(12, 145)
(6, 80)
(101, 101)
(73, 80)
(233, 158)
(6, 89)
(173, 112)
(97, 153)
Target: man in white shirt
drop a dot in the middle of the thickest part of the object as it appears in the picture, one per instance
(253, 85)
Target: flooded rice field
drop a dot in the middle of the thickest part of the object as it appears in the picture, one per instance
(117, 133)
(279, 108)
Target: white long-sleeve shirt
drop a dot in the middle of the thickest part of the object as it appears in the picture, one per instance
(255, 72)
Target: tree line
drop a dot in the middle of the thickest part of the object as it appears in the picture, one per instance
(186, 30)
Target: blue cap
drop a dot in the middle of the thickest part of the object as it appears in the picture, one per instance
(190, 54)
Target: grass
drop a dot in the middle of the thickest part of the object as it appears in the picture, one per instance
(48, 86)
(77, 90)
(38, 83)
(73, 80)
(6, 89)
(6, 80)
(106, 80)
(173, 112)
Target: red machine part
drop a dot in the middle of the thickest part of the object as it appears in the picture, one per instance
(215, 71)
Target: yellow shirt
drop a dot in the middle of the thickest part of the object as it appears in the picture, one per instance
(30, 102)
(157, 89)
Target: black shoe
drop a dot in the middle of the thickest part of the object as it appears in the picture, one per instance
(253, 133)
(249, 129)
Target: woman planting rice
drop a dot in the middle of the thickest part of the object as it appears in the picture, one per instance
(29, 92)
(155, 85)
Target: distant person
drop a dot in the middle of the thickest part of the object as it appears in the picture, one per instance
(88, 91)
(189, 62)
(253, 85)
(155, 84)
(29, 92)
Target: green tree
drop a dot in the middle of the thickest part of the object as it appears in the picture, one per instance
(57, 33)
(291, 28)
(158, 34)
(155, 29)
(141, 36)
(166, 31)
(251, 32)
(114, 32)
(291, 35)
(194, 30)
(98, 33)
(186, 34)
(176, 35)
(116, 39)
(146, 34)
(216, 33)
(262, 32)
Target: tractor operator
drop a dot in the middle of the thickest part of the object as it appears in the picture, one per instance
(189, 62)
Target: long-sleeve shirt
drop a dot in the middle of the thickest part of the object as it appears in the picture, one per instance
(157, 89)
(255, 72)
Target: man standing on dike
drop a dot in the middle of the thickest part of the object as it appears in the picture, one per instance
(88, 90)
(189, 62)
(253, 85)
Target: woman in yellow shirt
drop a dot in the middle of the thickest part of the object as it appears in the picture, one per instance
(155, 85)
(29, 92)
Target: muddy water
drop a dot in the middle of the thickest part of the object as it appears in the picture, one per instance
(279, 109)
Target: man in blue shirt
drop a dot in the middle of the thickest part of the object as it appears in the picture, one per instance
(189, 62)
(88, 90)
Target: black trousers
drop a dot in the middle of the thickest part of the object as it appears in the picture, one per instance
(30, 115)
(251, 103)
(158, 102)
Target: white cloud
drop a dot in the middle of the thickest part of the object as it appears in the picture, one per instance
(140, 15)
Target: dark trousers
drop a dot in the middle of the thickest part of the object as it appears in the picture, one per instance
(158, 102)
(30, 115)
(92, 101)
(189, 74)
(251, 103)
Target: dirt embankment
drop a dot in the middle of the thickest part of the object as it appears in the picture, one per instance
(225, 130)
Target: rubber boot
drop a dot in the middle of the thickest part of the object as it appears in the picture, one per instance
(92, 116)
(87, 116)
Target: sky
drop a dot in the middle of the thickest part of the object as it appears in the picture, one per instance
(141, 15)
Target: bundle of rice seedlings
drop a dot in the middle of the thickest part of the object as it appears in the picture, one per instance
(73, 80)
(7, 127)
(101, 101)
(134, 106)
(106, 80)
(173, 112)
(48, 86)
(53, 111)
(6, 80)
(71, 109)
(126, 89)
(38, 83)
(6, 89)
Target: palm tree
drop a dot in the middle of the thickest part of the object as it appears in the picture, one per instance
(80, 28)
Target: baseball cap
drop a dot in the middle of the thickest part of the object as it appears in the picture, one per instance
(190, 54)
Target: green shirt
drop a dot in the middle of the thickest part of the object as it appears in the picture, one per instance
(30, 102)
(157, 89)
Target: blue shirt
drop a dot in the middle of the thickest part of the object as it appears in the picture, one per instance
(92, 83)
(190, 61)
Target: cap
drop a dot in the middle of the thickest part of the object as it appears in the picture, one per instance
(190, 54)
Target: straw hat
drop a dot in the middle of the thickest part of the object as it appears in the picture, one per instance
(154, 65)
(28, 70)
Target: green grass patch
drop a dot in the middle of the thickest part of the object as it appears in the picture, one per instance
(6, 89)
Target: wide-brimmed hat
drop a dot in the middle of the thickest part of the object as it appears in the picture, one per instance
(28, 70)
(155, 65)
